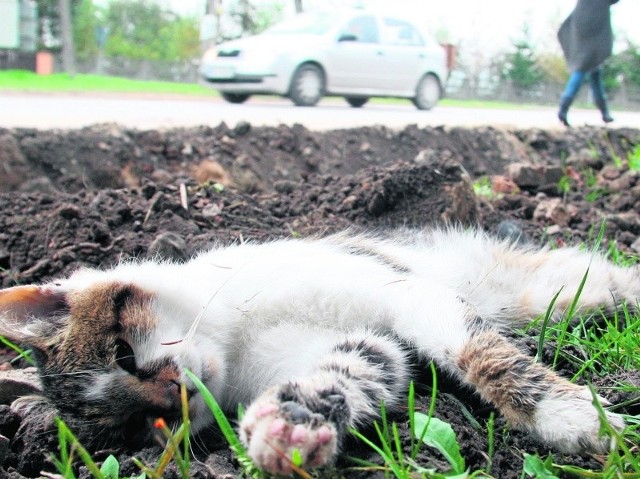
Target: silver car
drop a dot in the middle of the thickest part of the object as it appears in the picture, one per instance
(356, 55)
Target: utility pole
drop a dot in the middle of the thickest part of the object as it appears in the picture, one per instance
(214, 7)
(298, 6)
(68, 50)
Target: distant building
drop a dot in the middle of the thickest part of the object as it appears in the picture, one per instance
(18, 34)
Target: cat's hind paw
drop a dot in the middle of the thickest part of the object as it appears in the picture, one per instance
(572, 424)
(281, 436)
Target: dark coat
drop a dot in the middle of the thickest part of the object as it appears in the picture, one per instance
(585, 36)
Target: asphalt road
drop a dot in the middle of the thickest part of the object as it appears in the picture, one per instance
(148, 112)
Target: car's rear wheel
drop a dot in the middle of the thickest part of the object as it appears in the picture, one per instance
(307, 85)
(356, 101)
(428, 92)
(235, 97)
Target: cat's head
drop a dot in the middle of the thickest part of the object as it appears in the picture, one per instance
(110, 353)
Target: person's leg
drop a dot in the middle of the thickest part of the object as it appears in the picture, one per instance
(597, 88)
(570, 91)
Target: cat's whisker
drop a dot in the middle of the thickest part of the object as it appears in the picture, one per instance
(196, 322)
(196, 440)
(194, 326)
(484, 278)
(71, 373)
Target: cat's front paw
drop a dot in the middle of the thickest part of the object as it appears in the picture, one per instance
(280, 435)
(571, 423)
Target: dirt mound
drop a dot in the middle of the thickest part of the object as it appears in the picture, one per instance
(256, 159)
(102, 194)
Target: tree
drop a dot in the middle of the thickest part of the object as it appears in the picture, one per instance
(520, 66)
(85, 26)
(182, 38)
(251, 18)
(49, 27)
(143, 30)
(623, 66)
(298, 6)
(553, 67)
(66, 28)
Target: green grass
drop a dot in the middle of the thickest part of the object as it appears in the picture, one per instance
(425, 429)
(25, 81)
(22, 353)
(596, 345)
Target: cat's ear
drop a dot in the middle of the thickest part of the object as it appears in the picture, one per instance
(26, 312)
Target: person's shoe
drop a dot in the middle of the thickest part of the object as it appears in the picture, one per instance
(562, 116)
(565, 103)
(601, 103)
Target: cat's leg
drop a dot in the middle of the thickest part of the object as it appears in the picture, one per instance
(510, 285)
(311, 415)
(532, 397)
(526, 282)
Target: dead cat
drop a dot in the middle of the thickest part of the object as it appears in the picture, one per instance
(311, 335)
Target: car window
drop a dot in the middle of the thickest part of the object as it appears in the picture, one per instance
(399, 32)
(364, 28)
(310, 23)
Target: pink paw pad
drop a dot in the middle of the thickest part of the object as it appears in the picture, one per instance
(273, 433)
(277, 428)
(325, 435)
(299, 434)
(266, 410)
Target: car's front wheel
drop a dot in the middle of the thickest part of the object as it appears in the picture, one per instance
(235, 97)
(356, 101)
(307, 85)
(428, 92)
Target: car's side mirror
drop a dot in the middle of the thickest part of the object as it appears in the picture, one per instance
(347, 37)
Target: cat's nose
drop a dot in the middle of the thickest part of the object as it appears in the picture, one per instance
(173, 391)
(174, 388)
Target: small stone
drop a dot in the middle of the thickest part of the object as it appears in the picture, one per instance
(69, 212)
(169, 246)
(4, 448)
(211, 210)
(554, 211)
(553, 230)
(635, 246)
(377, 204)
(18, 382)
(242, 128)
(424, 156)
(350, 201)
(527, 175)
(284, 186)
(627, 221)
(226, 140)
(503, 184)
(187, 149)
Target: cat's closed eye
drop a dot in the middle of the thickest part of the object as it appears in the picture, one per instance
(125, 358)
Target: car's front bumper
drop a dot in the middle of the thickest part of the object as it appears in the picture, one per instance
(229, 78)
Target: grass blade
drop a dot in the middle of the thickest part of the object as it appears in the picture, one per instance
(224, 424)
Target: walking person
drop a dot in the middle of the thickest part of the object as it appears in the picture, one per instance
(587, 41)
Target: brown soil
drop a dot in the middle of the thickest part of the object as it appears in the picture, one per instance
(102, 194)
